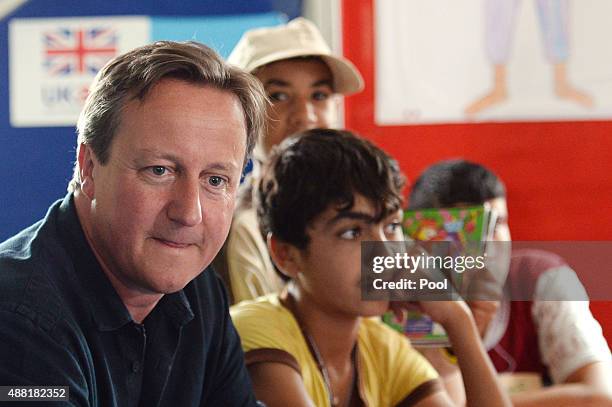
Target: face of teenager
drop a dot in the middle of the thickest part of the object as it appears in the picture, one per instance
(498, 262)
(161, 206)
(331, 264)
(301, 94)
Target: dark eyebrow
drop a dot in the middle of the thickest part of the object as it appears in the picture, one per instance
(323, 82)
(276, 82)
(351, 215)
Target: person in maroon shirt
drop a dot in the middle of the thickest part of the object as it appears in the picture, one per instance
(560, 341)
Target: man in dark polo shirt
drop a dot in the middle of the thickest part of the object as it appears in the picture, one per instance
(110, 293)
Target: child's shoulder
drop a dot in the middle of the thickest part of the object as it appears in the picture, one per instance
(267, 307)
(264, 323)
(264, 316)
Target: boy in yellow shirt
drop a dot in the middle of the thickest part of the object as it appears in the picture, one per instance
(321, 194)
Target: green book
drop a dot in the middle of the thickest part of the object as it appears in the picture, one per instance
(466, 229)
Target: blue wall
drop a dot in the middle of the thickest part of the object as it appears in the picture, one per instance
(36, 163)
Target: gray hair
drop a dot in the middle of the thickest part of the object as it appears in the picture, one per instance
(132, 75)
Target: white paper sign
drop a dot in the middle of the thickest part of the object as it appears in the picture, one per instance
(53, 61)
(447, 61)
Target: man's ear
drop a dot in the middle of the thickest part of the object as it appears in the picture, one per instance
(285, 256)
(86, 168)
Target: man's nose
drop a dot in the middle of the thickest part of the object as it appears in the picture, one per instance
(303, 115)
(186, 206)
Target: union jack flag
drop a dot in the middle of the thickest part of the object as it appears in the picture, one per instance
(78, 51)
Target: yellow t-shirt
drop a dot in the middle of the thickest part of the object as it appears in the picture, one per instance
(390, 371)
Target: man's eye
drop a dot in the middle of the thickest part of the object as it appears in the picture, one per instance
(158, 170)
(216, 181)
(278, 96)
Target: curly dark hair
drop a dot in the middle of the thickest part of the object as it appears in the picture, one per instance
(317, 168)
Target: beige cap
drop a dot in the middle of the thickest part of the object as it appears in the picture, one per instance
(298, 38)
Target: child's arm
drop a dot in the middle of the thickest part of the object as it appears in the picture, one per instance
(277, 384)
(449, 372)
(480, 379)
(571, 344)
(590, 385)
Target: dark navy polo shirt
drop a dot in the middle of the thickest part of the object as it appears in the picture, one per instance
(62, 323)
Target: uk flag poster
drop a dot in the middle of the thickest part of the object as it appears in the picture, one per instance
(53, 61)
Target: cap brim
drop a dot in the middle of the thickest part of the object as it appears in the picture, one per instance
(347, 79)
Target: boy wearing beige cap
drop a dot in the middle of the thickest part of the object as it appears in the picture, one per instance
(302, 79)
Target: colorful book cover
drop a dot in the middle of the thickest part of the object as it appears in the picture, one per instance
(456, 225)
(467, 229)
